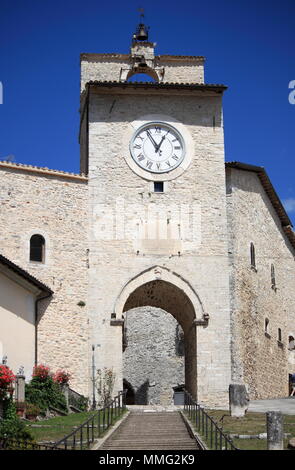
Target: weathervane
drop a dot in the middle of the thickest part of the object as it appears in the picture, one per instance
(141, 11)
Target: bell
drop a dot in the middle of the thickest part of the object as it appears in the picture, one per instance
(142, 32)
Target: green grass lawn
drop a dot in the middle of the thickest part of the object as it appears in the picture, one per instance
(251, 424)
(54, 429)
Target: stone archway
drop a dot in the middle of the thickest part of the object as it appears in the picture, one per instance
(164, 289)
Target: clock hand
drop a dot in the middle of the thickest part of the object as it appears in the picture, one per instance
(159, 145)
(152, 140)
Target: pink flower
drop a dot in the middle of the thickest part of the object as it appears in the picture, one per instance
(7, 378)
(62, 377)
(41, 371)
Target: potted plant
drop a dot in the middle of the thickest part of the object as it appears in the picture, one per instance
(20, 408)
(32, 411)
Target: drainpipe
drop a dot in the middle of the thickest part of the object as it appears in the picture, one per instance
(36, 327)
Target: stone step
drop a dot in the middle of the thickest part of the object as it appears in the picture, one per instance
(152, 447)
(152, 441)
(149, 435)
(151, 431)
(146, 429)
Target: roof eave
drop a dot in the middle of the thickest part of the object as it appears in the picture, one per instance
(17, 270)
(218, 88)
(272, 195)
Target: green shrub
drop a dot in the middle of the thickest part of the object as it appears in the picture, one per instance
(32, 410)
(44, 392)
(82, 403)
(11, 426)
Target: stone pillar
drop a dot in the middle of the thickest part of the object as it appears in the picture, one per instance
(20, 388)
(238, 400)
(65, 391)
(275, 430)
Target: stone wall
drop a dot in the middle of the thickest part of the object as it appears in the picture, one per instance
(259, 359)
(109, 67)
(153, 361)
(102, 67)
(55, 207)
(114, 257)
(190, 70)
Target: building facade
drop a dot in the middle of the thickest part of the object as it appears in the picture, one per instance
(167, 265)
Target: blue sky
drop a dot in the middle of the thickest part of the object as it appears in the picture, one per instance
(248, 45)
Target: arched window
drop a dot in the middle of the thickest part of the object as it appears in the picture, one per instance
(252, 256)
(37, 248)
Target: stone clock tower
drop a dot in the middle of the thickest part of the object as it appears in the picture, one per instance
(154, 154)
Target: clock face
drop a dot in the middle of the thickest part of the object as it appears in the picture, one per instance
(157, 147)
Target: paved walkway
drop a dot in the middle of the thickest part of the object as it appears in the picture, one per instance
(155, 408)
(285, 405)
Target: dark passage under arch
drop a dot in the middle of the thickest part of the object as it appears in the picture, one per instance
(173, 300)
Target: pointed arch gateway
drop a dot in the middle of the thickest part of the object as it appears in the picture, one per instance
(162, 288)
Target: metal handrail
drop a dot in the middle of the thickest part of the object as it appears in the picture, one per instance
(84, 435)
(20, 444)
(206, 426)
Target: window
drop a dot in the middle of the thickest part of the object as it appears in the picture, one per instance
(279, 334)
(252, 256)
(291, 343)
(273, 276)
(158, 187)
(280, 342)
(266, 327)
(37, 248)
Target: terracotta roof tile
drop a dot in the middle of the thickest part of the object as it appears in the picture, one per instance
(271, 193)
(158, 84)
(21, 272)
(39, 169)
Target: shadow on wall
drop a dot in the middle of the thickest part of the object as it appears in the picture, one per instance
(140, 397)
(130, 394)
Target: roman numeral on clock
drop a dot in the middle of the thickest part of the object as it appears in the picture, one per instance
(140, 157)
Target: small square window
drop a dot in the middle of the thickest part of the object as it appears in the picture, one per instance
(158, 187)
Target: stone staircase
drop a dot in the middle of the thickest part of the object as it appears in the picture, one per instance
(151, 431)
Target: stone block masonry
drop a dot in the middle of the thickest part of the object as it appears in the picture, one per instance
(153, 361)
(54, 206)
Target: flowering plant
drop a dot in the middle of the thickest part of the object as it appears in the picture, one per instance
(62, 377)
(41, 372)
(105, 384)
(6, 380)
